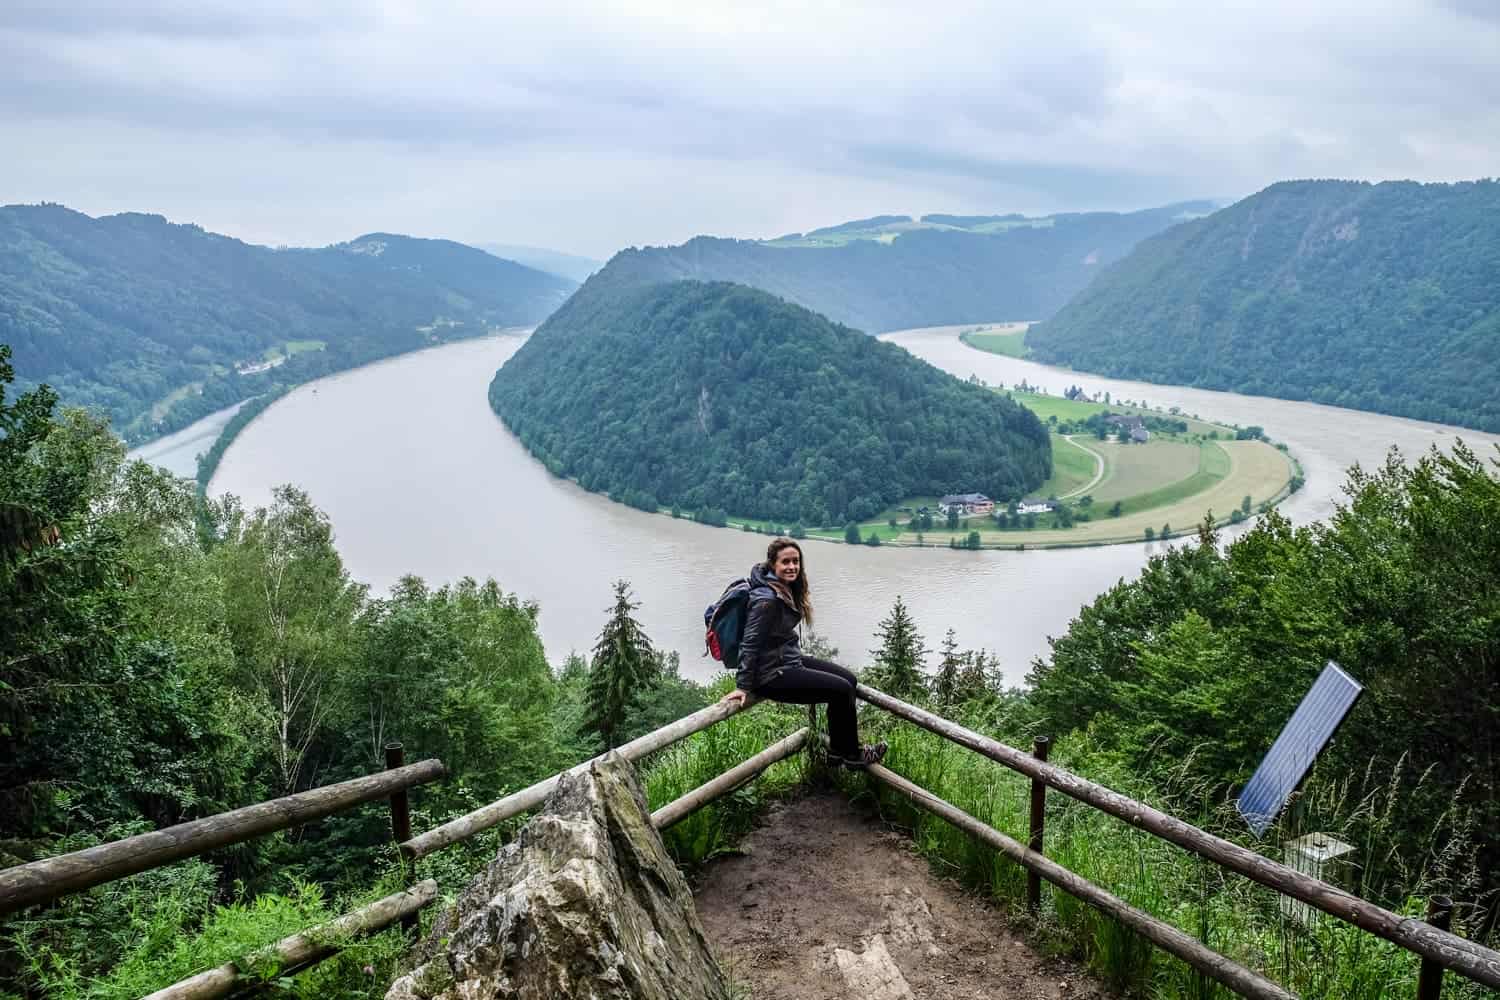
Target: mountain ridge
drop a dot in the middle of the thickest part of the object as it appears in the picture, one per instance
(1374, 296)
(155, 323)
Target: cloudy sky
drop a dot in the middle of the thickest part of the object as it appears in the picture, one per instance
(586, 127)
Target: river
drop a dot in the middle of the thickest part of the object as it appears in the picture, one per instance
(419, 476)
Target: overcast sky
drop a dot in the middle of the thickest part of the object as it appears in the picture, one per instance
(587, 127)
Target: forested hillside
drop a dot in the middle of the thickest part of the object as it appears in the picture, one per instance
(917, 277)
(1382, 297)
(714, 396)
(146, 321)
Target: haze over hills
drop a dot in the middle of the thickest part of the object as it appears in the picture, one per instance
(892, 272)
(715, 396)
(1382, 297)
(148, 321)
(564, 265)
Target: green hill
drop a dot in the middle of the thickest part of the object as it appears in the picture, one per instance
(147, 321)
(1382, 297)
(714, 396)
(890, 273)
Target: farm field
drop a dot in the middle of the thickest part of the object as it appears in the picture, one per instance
(1240, 469)
(1143, 468)
(1073, 467)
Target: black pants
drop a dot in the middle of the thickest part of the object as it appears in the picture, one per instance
(819, 682)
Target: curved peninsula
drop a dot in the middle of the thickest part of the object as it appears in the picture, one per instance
(716, 399)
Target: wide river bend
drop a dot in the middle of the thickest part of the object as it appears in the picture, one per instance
(419, 476)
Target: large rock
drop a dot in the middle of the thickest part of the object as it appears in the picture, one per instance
(585, 902)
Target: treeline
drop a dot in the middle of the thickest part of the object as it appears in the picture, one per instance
(716, 397)
(1381, 297)
(167, 657)
(1193, 668)
(117, 313)
(925, 277)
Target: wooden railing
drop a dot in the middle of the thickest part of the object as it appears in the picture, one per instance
(52, 878)
(1439, 949)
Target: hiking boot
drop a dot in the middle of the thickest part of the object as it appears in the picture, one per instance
(863, 758)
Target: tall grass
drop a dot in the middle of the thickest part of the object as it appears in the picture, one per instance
(684, 766)
(1324, 959)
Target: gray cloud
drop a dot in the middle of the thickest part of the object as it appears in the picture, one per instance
(587, 127)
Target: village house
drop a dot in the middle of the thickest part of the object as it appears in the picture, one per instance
(1035, 507)
(1132, 425)
(966, 504)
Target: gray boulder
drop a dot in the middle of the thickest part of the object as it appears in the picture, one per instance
(585, 902)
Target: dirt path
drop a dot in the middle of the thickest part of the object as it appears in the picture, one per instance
(1099, 468)
(826, 904)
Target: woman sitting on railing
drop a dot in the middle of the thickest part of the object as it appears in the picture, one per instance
(771, 663)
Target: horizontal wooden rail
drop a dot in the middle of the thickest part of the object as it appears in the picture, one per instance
(679, 809)
(49, 878)
(1186, 947)
(1465, 957)
(305, 947)
(529, 798)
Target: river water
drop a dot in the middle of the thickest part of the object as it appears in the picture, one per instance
(419, 476)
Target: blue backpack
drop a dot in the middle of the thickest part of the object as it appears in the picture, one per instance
(724, 621)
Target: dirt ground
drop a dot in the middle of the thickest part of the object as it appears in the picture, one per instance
(827, 904)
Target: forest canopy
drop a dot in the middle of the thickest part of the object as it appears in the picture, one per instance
(712, 395)
(121, 312)
(1382, 297)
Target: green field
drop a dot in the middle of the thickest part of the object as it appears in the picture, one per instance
(1073, 467)
(1006, 338)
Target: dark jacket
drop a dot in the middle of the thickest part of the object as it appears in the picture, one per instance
(769, 644)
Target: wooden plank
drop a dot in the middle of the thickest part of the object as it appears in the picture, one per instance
(529, 798)
(679, 809)
(307, 947)
(1236, 977)
(1465, 957)
(49, 878)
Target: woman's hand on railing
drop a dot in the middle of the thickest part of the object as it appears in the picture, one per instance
(737, 698)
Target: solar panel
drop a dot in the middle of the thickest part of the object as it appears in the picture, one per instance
(1303, 737)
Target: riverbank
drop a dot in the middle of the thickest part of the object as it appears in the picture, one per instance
(1107, 487)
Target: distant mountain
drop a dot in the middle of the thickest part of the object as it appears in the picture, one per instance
(565, 265)
(156, 324)
(902, 273)
(717, 397)
(1382, 297)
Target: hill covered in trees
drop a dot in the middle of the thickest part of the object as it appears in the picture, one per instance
(717, 397)
(148, 322)
(1382, 297)
(890, 273)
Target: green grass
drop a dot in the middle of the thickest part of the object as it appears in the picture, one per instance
(1327, 961)
(1011, 343)
(1072, 468)
(677, 770)
(1213, 465)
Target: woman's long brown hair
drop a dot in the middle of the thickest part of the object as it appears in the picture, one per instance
(801, 590)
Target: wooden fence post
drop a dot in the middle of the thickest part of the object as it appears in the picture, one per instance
(1038, 822)
(395, 756)
(1430, 979)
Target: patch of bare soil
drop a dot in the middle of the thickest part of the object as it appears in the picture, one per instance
(828, 904)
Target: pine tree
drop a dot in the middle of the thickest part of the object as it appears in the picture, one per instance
(972, 680)
(945, 685)
(899, 660)
(624, 667)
